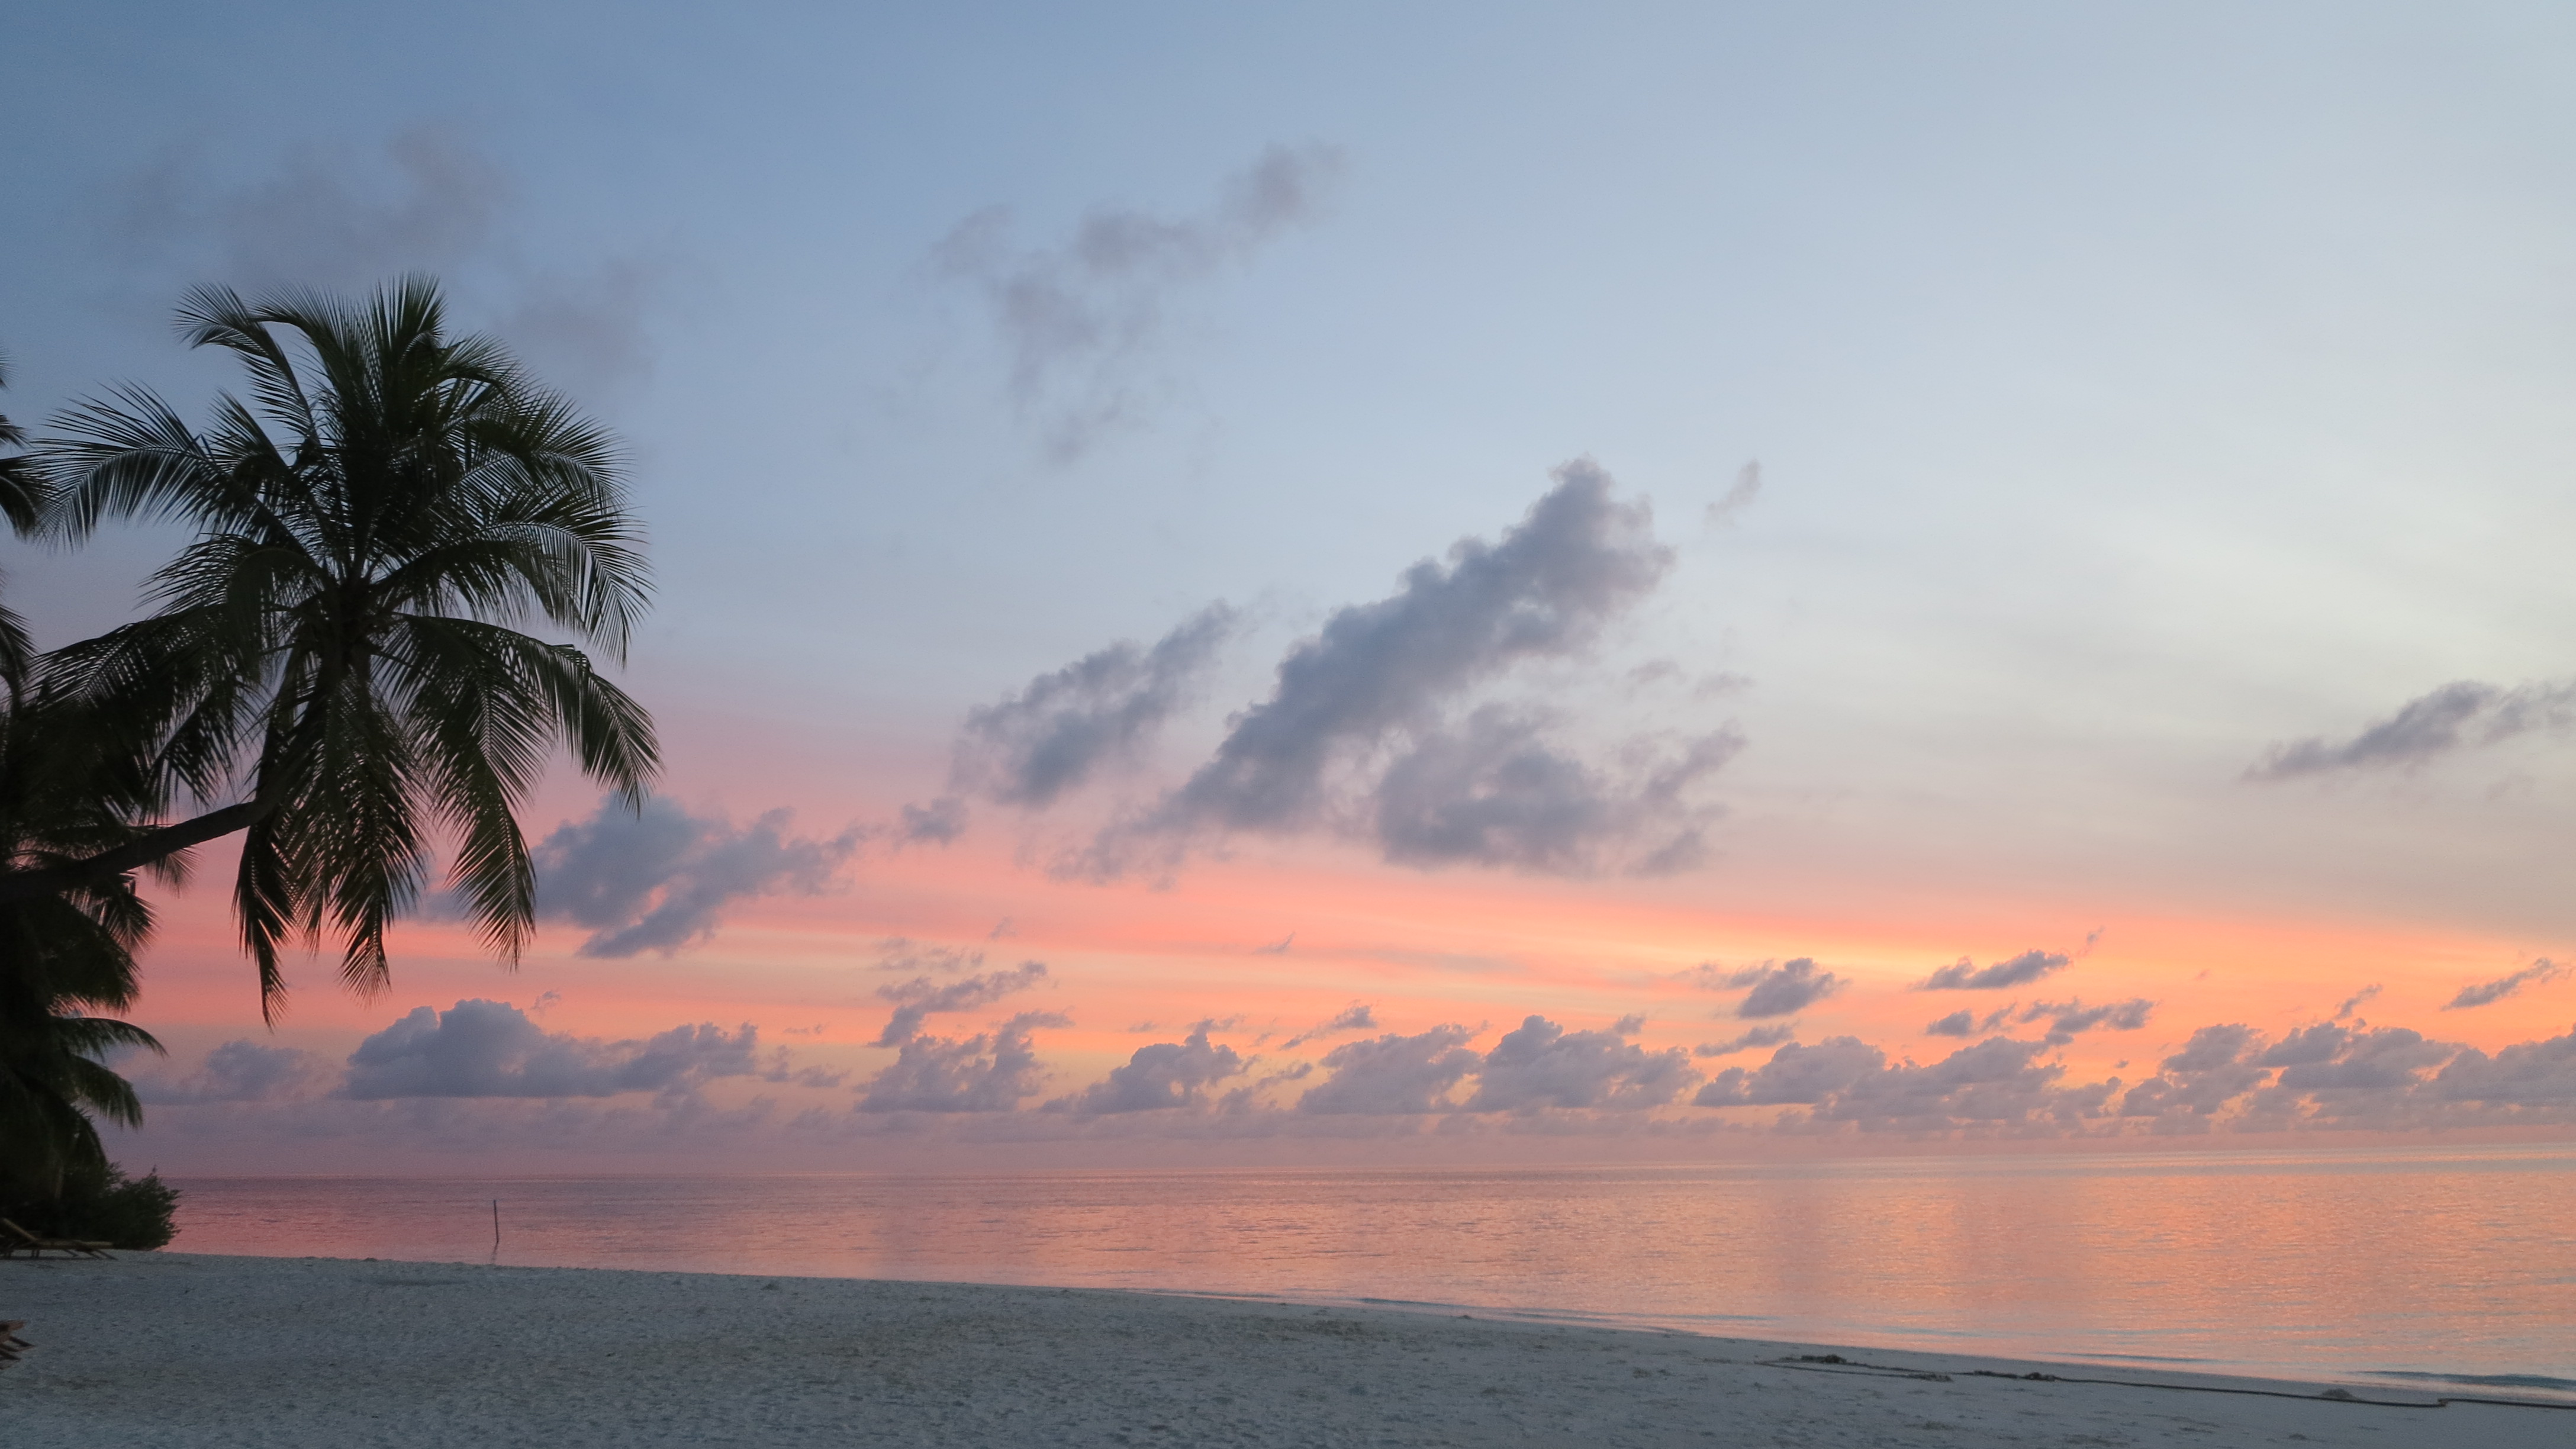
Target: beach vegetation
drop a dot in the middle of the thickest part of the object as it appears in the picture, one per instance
(66, 792)
(104, 1206)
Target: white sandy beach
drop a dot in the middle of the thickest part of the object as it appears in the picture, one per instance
(178, 1349)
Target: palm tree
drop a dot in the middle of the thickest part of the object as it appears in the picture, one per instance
(331, 669)
(22, 502)
(65, 954)
(65, 793)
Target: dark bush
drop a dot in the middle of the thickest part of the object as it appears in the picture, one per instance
(125, 1212)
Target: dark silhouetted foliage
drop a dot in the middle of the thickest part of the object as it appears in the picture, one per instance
(106, 1206)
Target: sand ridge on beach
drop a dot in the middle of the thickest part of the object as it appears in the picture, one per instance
(202, 1351)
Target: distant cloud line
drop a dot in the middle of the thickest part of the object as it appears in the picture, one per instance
(2227, 1077)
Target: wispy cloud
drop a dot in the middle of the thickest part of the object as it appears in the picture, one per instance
(1065, 726)
(659, 878)
(1358, 1016)
(918, 999)
(1772, 988)
(1966, 975)
(1373, 727)
(334, 215)
(345, 216)
(1749, 1039)
(2539, 972)
(1081, 319)
(2456, 716)
(2067, 1019)
(1748, 487)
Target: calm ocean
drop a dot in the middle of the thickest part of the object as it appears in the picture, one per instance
(2327, 1263)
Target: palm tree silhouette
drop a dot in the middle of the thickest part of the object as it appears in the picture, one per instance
(22, 502)
(331, 669)
(66, 954)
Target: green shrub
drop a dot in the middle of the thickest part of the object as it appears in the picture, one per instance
(124, 1212)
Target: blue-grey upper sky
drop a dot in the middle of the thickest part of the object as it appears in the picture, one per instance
(2142, 396)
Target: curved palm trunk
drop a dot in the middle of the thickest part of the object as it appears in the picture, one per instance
(151, 849)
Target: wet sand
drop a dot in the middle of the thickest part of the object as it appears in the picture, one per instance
(203, 1351)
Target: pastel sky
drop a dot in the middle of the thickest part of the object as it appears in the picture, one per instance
(1441, 581)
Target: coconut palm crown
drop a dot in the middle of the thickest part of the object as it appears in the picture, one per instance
(331, 668)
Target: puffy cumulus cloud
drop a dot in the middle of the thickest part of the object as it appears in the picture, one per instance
(2332, 1057)
(1368, 704)
(1165, 1074)
(919, 998)
(1795, 1074)
(988, 1072)
(2458, 715)
(2534, 1078)
(1077, 318)
(1966, 975)
(492, 1049)
(1546, 589)
(659, 878)
(2324, 1075)
(244, 1071)
(1775, 989)
(1541, 1065)
(1495, 792)
(1054, 735)
(2540, 971)
(1358, 1016)
(1748, 1040)
(1997, 1085)
(2194, 1085)
(1394, 1074)
(2330, 1074)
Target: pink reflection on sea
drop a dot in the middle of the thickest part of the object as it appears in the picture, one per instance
(2312, 1263)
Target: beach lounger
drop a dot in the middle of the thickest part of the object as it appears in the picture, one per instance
(15, 1240)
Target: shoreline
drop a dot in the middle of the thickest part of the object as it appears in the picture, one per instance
(209, 1350)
